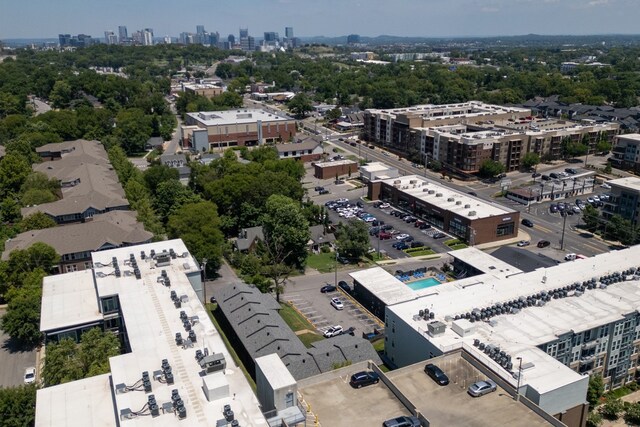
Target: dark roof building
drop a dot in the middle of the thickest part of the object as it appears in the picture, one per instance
(255, 328)
(248, 238)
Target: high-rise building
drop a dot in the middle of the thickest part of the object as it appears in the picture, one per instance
(64, 40)
(231, 39)
(288, 32)
(271, 38)
(244, 32)
(200, 29)
(214, 39)
(81, 40)
(122, 33)
(147, 36)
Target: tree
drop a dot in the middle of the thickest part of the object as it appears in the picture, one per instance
(157, 174)
(67, 361)
(530, 160)
(198, 225)
(612, 409)
(21, 262)
(22, 319)
(14, 169)
(300, 105)
(133, 129)
(594, 419)
(286, 234)
(18, 405)
(595, 390)
(632, 414)
(353, 239)
(61, 94)
(333, 114)
(36, 221)
(591, 217)
(170, 196)
(490, 168)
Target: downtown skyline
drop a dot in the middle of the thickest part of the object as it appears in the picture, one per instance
(413, 18)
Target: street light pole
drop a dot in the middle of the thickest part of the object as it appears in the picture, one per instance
(519, 377)
(336, 271)
(204, 280)
(564, 223)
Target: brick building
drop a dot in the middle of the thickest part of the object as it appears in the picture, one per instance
(244, 127)
(462, 215)
(327, 170)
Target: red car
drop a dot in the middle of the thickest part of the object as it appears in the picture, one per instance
(384, 236)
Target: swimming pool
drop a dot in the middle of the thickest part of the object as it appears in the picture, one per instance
(423, 284)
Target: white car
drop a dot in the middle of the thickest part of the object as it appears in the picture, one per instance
(333, 331)
(523, 243)
(596, 198)
(605, 185)
(29, 375)
(337, 304)
(385, 206)
(402, 236)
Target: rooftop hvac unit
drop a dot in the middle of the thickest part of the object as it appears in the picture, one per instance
(472, 213)
(467, 206)
(413, 181)
(436, 328)
(432, 191)
(397, 181)
(438, 194)
(450, 199)
(426, 189)
(458, 203)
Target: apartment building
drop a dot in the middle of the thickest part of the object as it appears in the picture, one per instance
(544, 331)
(624, 199)
(462, 136)
(204, 89)
(246, 127)
(626, 152)
(88, 182)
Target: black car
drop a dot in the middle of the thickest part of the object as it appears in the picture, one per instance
(408, 239)
(364, 378)
(527, 222)
(378, 222)
(327, 288)
(387, 227)
(571, 171)
(546, 177)
(323, 191)
(360, 204)
(543, 243)
(424, 226)
(472, 193)
(439, 235)
(344, 286)
(436, 374)
(319, 188)
(417, 244)
(402, 246)
(535, 175)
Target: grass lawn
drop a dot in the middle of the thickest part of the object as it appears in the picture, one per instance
(309, 338)
(425, 251)
(458, 246)
(379, 345)
(323, 262)
(294, 319)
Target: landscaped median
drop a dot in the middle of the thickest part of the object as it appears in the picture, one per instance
(423, 250)
(455, 244)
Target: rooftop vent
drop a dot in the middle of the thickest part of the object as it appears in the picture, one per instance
(438, 194)
(472, 213)
(458, 203)
(450, 199)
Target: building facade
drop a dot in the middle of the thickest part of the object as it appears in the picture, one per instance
(624, 199)
(626, 152)
(328, 170)
(246, 127)
(462, 215)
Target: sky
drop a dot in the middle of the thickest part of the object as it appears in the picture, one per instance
(424, 18)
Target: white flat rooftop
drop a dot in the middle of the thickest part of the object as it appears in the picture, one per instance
(485, 262)
(632, 136)
(375, 167)
(474, 108)
(630, 182)
(531, 326)
(335, 163)
(69, 299)
(237, 117)
(152, 320)
(446, 198)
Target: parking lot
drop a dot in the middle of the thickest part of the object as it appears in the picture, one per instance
(13, 360)
(451, 405)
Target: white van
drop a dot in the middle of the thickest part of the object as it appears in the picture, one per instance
(570, 257)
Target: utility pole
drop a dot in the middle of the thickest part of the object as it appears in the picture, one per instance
(204, 280)
(336, 271)
(564, 223)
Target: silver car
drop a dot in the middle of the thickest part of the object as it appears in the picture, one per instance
(481, 388)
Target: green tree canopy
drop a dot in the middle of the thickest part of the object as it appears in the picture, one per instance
(300, 105)
(530, 160)
(353, 239)
(198, 225)
(595, 390)
(21, 262)
(67, 361)
(490, 168)
(36, 221)
(22, 319)
(18, 405)
(591, 217)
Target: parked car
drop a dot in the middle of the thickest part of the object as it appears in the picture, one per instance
(523, 243)
(535, 175)
(472, 193)
(481, 388)
(327, 288)
(418, 223)
(410, 219)
(402, 421)
(384, 236)
(363, 378)
(424, 226)
(378, 222)
(570, 257)
(605, 185)
(344, 286)
(417, 244)
(436, 374)
(359, 204)
(554, 175)
(29, 375)
(323, 191)
(337, 304)
(527, 222)
(553, 208)
(318, 188)
(543, 243)
(402, 236)
(402, 246)
(571, 171)
(333, 331)
(439, 235)
(385, 206)
(545, 177)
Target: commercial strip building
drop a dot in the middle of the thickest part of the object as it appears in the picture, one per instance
(542, 333)
(75, 242)
(624, 199)
(246, 127)
(375, 171)
(462, 136)
(564, 187)
(462, 215)
(146, 294)
(626, 152)
(88, 182)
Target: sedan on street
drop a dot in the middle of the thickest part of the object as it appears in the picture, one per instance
(327, 288)
(523, 243)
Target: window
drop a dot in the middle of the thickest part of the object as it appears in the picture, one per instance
(110, 304)
(87, 265)
(70, 268)
(505, 229)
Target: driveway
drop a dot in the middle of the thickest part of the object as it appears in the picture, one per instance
(13, 359)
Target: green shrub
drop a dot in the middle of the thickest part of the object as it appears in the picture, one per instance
(325, 249)
(612, 409)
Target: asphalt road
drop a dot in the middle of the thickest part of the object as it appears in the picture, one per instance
(14, 360)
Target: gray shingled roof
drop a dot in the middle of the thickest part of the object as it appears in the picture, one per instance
(248, 236)
(318, 235)
(305, 144)
(2, 151)
(255, 319)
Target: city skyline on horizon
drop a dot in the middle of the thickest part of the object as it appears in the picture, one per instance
(429, 18)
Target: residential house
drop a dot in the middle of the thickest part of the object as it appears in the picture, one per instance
(248, 239)
(306, 150)
(177, 161)
(319, 238)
